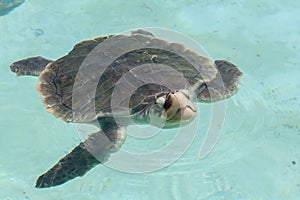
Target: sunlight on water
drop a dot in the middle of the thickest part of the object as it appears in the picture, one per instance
(257, 155)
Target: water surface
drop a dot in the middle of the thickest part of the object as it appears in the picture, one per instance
(257, 156)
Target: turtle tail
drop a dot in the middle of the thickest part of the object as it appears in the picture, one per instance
(30, 66)
(223, 86)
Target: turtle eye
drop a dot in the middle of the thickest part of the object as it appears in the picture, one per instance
(168, 102)
(160, 101)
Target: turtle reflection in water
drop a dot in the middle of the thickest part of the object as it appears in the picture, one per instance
(150, 103)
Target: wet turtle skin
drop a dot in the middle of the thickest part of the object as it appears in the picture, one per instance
(210, 81)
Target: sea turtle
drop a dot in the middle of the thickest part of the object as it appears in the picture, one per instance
(149, 102)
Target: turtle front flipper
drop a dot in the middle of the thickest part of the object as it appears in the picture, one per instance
(93, 151)
(30, 66)
(223, 86)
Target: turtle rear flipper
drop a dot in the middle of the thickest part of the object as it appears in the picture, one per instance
(223, 86)
(30, 66)
(93, 151)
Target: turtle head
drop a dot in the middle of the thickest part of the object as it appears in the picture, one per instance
(172, 110)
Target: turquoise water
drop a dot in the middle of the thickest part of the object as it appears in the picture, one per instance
(257, 155)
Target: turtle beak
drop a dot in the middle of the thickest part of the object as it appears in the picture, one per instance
(179, 108)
